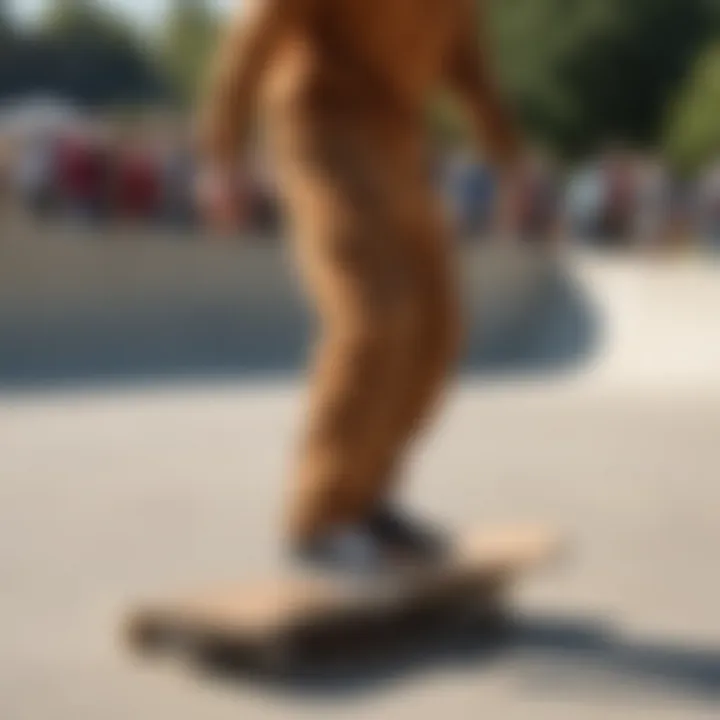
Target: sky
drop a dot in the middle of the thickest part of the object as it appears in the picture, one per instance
(145, 11)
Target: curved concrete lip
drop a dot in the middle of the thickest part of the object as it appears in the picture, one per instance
(78, 307)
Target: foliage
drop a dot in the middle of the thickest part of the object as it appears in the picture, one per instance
(580, 72)
(693, 131)
(186, 42)
(584, 72)
(83, 52)
(4, 20)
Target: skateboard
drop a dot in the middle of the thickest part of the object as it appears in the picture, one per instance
(279, 625)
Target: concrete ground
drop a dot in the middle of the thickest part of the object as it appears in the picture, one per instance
(108, 494)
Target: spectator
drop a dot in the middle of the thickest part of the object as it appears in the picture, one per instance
(540, 195)
(82, 175)
(583, 202)
(176, 170)
(619, 197)
(470, 186)
(137, 182)
(35, 174)
(653, 193)
(708, 204)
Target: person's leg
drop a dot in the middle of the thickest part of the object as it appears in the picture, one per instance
(432, 343)
(350, 258)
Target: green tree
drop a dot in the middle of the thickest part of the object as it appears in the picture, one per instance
(584, 72)
(188, 38)
(85, 20)
(87, 52)
(6, 26)
(693, 129)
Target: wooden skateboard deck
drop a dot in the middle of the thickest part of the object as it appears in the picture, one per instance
(273, 625)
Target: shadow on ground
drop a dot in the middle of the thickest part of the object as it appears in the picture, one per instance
(216, 339)
(555, 657)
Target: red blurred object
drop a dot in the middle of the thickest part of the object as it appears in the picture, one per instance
(138, 186)
(78, 170)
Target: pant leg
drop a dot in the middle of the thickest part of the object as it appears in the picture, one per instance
(433, 341)
(348, 251)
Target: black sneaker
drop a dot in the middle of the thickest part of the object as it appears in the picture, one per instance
(348, 551)
(408, 539)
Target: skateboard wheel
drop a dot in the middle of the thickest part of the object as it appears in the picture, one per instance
(145, 633)
(276, 656)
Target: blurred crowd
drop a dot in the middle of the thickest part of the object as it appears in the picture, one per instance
(95, 175)
(617, 199)
(89, 173)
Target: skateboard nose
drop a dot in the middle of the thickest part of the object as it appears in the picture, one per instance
(517, 547)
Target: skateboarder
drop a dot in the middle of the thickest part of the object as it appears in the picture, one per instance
(344, 86)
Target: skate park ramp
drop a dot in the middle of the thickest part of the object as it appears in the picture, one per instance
(115, 495)
(88, 308)
(78, 308)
